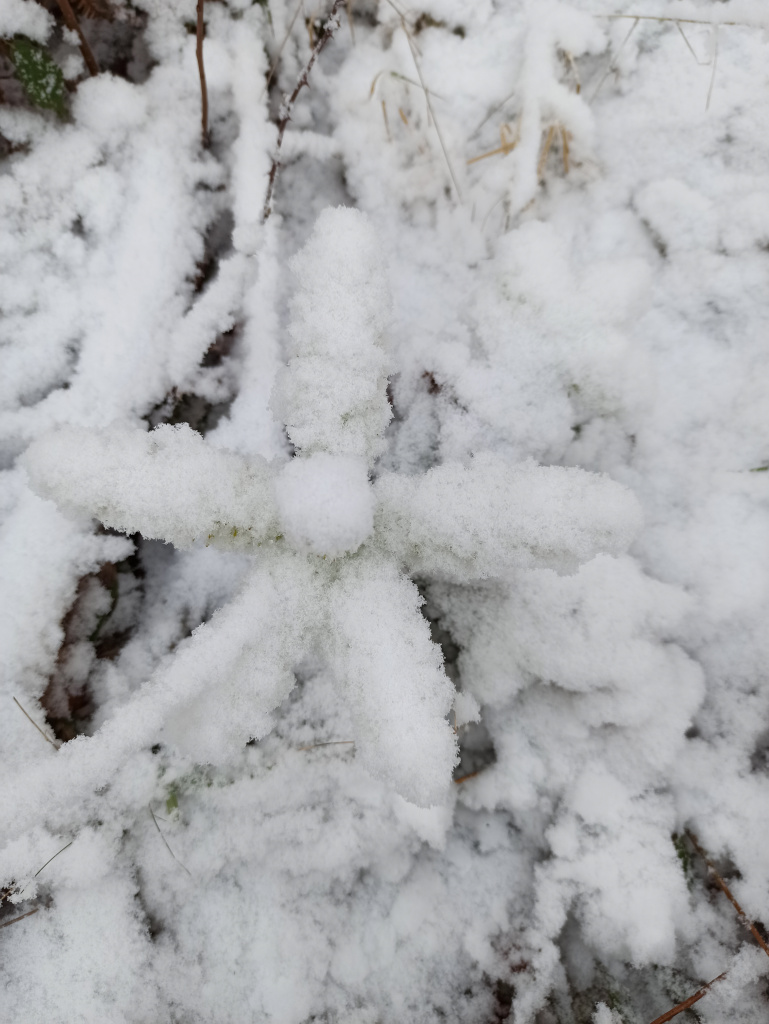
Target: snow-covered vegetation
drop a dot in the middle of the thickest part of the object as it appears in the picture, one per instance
(384, 521)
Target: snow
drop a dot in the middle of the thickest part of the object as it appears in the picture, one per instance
(388, 579)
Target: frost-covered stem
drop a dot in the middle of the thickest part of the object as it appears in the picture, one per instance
(70, 19)
(688, 1002)
(201, 32)
(288, 105)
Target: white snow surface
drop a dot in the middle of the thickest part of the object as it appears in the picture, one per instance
(387, 580)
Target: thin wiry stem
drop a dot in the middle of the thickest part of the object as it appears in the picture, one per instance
(288, 105)
(47, 739)
(200, 36)
(280, 49)
(690, 48)
(54, 857)
(165, 841)
(431, 112)
(685, 21)
(613, 64)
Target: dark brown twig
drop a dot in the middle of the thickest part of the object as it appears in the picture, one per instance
(31, 719)
(70, 20)
(744, 919)
(288, 104)
(201, 34)
(688, 1002)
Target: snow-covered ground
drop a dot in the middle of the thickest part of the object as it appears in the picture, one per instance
(456, 464)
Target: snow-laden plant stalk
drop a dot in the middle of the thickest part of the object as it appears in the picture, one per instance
(331, 549)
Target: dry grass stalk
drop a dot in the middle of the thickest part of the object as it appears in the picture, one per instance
(683, 21)
(70, 20)
(546, 151)
(613, 63)
(54, 743)
(29, 913)
(386, 121)
(508, 140)
(288, 105)
(286, 37)
(7, 892)
(430, 111)
(200, 36)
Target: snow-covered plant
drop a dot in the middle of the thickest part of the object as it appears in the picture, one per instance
(331, 549)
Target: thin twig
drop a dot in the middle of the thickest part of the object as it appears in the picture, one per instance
(688, 1002)
(47, 739)
(285, 111)
(21, 917)
(744, 919)
(166, 844)
(200, 36)
(70, 20)
(431, 112)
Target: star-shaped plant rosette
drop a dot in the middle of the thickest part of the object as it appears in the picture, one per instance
(331, 549)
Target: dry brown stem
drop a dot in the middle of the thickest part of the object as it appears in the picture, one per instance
(70, 20)
(200, 36)
(21, 917)
(744, 919)
(688, 1002)
(288, 105)
(47, 739)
